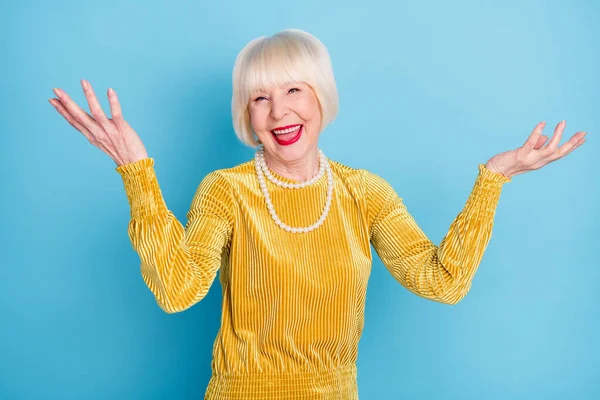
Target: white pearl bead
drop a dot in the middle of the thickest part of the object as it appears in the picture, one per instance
(262, 170)
(259, 156)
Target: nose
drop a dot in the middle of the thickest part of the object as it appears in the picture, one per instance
(278, 109)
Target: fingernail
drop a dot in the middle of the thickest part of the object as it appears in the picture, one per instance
(564, 122)
(84, 84)
(51, 101)
(57, 92)
(111, 92)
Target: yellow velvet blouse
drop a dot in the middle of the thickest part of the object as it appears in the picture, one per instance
(293, 303)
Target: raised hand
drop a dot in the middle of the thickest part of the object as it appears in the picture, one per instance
(532, 155)
(113, 136)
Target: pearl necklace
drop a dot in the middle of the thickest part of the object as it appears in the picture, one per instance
(262, 169)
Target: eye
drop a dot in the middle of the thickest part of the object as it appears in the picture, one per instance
(260, 98)
(296, 89)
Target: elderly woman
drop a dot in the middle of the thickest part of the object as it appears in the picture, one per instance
(290, 230)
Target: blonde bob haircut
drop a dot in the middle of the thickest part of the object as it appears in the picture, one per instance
(291, 55)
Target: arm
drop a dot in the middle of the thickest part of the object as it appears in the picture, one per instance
(178, 264)
(441, 273)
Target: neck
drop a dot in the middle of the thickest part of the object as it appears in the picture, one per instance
(298, 170)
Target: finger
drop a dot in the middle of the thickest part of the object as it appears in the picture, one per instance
(567, 147)
(558, 131)
(65, 113)
(533, 138)
(76, 112)
(541, 140)
(115, 107)
(95, 107)
(578, 139)
(545, 161)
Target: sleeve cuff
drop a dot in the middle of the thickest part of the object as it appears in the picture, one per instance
(135, 166)
(142, 189)
(485, 194)
(492, 176)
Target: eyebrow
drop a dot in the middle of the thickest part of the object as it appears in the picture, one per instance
(261, 90)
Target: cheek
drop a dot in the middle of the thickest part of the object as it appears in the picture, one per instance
(309, 111)
(313, 115)
(257, 119)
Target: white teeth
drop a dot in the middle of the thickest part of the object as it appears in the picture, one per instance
(282, 131)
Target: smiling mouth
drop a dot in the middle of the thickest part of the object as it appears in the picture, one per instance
(288, 135)
(286, 129)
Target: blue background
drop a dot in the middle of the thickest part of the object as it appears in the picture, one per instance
(428, 91)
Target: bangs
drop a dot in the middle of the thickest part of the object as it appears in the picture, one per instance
(270, 64)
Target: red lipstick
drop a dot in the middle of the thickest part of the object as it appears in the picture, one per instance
(289, 141)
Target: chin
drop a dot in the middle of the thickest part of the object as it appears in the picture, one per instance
(291, 153)
(288, 153)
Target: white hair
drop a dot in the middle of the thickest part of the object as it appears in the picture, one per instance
(291, 55)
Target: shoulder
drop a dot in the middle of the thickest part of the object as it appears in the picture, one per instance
(377, 194)
(216, 190)
(346, 172)
(226, 177)
(352, 177)
(233, 175)
(370, 183)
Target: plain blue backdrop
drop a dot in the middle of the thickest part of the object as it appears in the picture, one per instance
(428, 90)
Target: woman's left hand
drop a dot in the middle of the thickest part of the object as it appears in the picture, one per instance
(532, 155)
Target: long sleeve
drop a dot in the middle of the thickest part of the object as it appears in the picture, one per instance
(441, 273)
(178, 264)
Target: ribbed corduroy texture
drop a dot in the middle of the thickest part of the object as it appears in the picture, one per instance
(293, 304)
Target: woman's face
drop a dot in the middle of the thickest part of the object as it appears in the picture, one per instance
(287, 120)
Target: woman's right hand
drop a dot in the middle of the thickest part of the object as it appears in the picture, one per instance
(113, 136)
